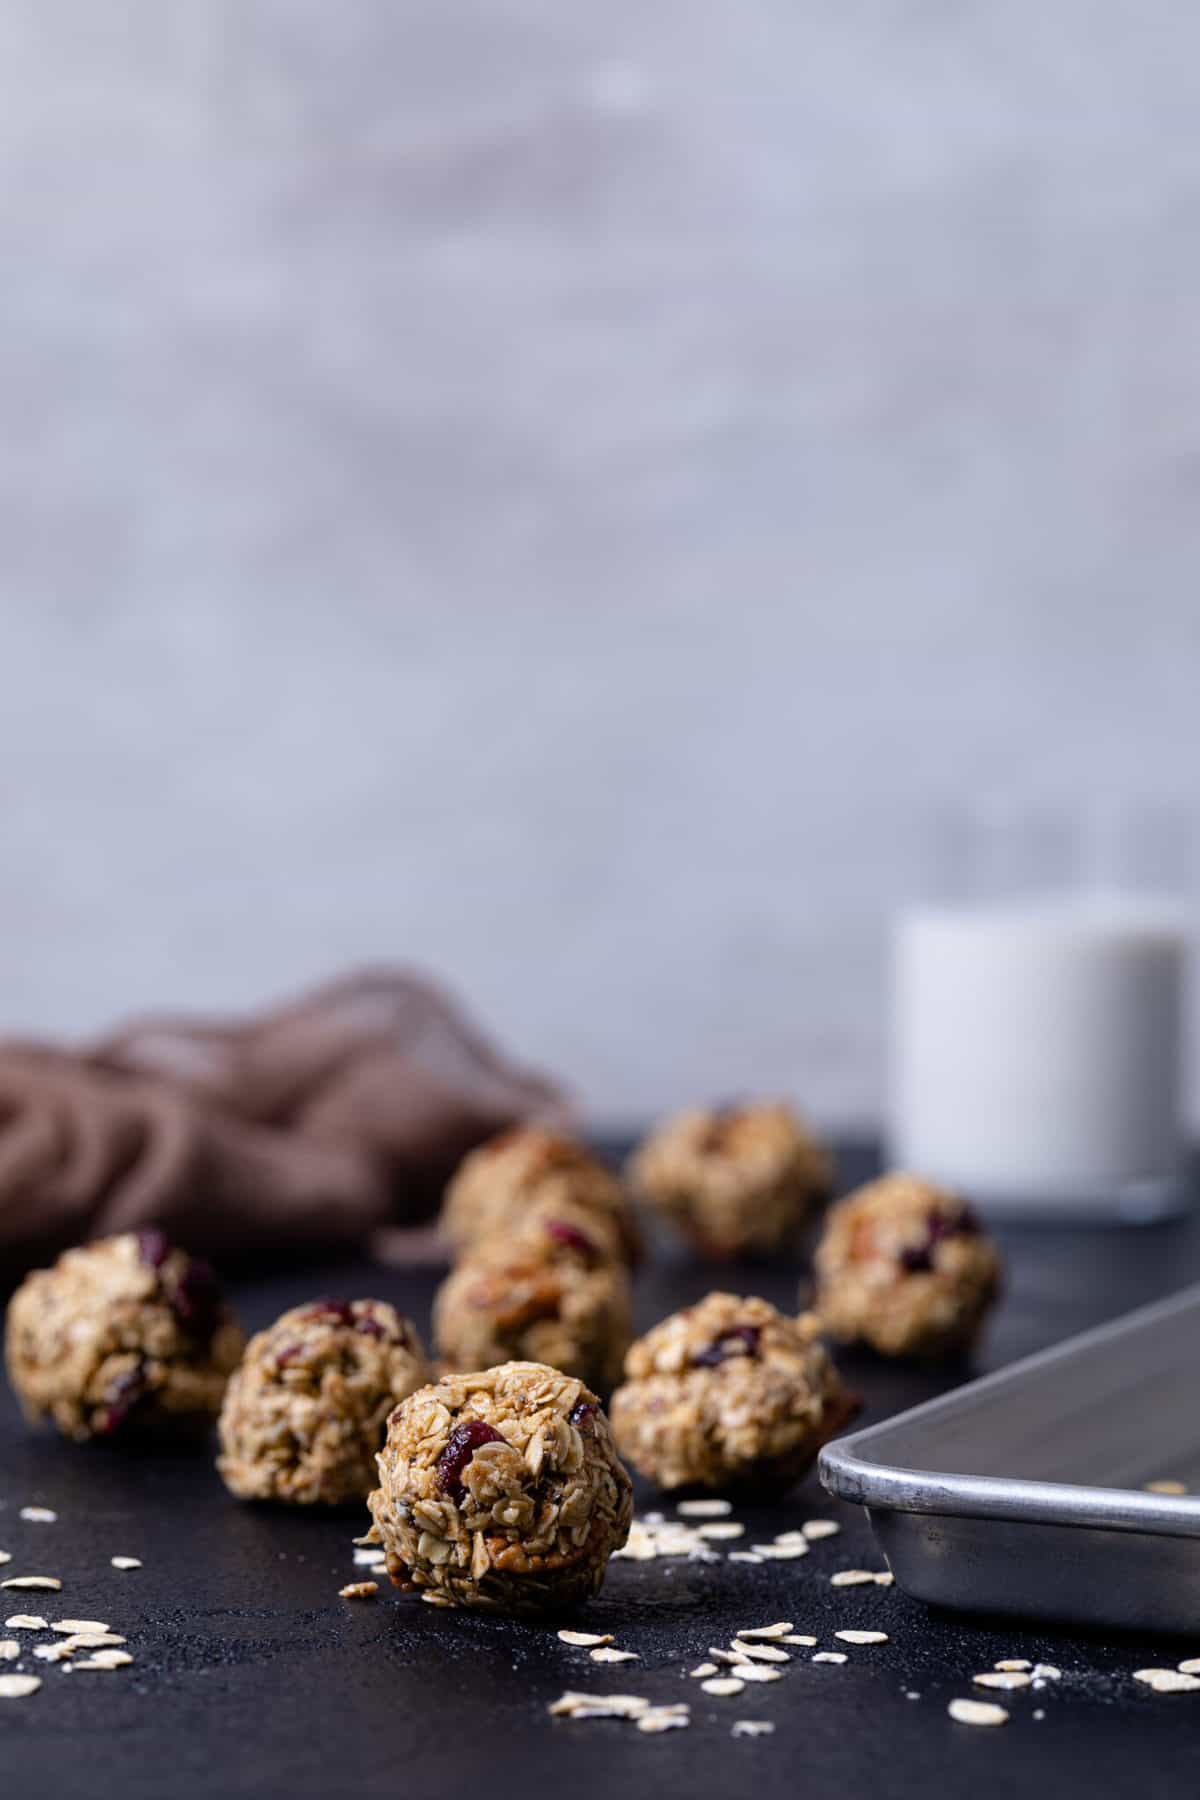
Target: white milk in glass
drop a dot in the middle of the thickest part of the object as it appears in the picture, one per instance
(1037, 1053)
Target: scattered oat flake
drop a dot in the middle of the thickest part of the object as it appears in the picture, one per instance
(759, 1652)
(1191, 1666)
(598, 1706)
(703, 1669)
(1168, 1681)
(50, 1583)
(781, 1552)
(767, 1631)
(661, 1718)
(1003, 1678)
(359, 1590)
(1013, 1665)
(93, 1640)
(723, 1685)
(862, 1637)
(748, 1556)
(790, 1537)
(54, 1652)
(1039, 1715)
(720, 1529)
(885, 1578)
(369, 1559)
(126, 1562)
(833, 1656)
(724, 1656)
(9, 1649)
(753, 1671)
(26, 1622)
(16, 1687)
(799, 1637)
(1166, 1487)
(821, 1528)
(977, 1712)
(851, 1578)
(605, 1655)
(704, 1509)
(752, 1728)
(585, 1639)
(105, 1659)
(1044, 1672)
(5, 1557)
(73, 1625)
(39, 1515)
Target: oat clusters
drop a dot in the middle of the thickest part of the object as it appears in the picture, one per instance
(543, 1275)
(501, 1490)
(305, 1413)
(734, 1182)
(530, 1167)
(119, 1335)
(728, 1393)
(905, 1267)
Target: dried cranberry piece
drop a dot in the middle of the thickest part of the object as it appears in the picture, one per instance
(725, 1346)
(583, 1416)
(195, 1299)
(369, 1325)
(153, 1246)
(918, 1258)
(463, 1442)
(287, 1355)
(571, 1238)
(126, 1392)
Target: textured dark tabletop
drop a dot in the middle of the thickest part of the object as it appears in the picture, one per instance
(253, 1678)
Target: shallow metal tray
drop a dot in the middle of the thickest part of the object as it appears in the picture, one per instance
(1024, 1492)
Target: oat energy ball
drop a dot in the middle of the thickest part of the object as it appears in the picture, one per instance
(501, 1490)
(736, 1181)
(728, 1394)
(306, 1413)
(120, 1335)
(528, 1166)
(905, 1267)
(543, 1294)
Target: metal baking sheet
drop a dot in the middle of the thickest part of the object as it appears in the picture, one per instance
(1024, 1493)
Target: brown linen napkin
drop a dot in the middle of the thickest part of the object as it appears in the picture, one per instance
(303, 1126)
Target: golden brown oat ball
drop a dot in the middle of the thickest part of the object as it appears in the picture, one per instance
(531, 1166)
(119, 1336)
(905, 1267)
(501, 1490)
(728, 1394)
(306, 1413)
(737, 1181)
(543, 1294)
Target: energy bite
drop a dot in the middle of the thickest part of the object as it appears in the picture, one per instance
(729, 1393)
(905, 1267)
(305, 1414)
(545, 1294)
(734, 1181)
(495, 1185)
(501, 1490)
(123, 1334)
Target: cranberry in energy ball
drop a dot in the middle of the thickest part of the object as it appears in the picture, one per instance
(306, 1413)
(905, 1267)
(125, 1334)
(530, 1168)
(501, 1490)
(728, 1394)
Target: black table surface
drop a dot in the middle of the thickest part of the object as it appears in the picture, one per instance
(252, 1677)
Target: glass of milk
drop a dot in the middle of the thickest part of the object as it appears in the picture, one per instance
(1038, 1015)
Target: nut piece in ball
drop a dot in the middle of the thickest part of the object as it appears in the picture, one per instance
(530, 1166)
(119, 1336)
(546, 1293)
(728, 1394)
(735, 1182)
(306, 1413)
(905, 1267)
(501, 1490)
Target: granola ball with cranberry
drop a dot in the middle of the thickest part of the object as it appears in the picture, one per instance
(546, 1293)
(905, 1267)
(306, 1413)
(501, 1490)
(728, 1394)
(120, 1335)
(532, 1166)
(735, 1182)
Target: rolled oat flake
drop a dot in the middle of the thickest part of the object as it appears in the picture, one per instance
(977, 1712)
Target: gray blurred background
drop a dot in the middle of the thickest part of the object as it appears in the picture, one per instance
(561, 494)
